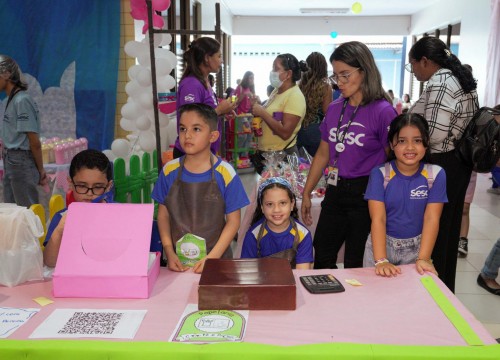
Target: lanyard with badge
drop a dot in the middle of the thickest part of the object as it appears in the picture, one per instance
(333, 173)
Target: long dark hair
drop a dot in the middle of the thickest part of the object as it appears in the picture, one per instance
(290, 62)
(258, 214)
(9, 66)
(357, 54)
(245, 82)
(195, 56)
(410, 119)
(436, 50)
(313, 84)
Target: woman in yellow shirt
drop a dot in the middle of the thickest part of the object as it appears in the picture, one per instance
(283, 113)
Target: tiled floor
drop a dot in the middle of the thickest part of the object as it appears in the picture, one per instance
(483, 233)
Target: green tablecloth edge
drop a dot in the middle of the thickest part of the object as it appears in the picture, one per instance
(109, 350)
(451, 312)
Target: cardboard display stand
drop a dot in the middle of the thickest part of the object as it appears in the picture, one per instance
(105, 252)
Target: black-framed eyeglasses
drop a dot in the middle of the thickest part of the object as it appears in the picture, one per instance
(409, 67)
(343, 78)
(96, 190)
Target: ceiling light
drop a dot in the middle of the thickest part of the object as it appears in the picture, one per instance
(324, 10)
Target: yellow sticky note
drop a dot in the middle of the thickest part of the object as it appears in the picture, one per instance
(353, 282)
(42, 300)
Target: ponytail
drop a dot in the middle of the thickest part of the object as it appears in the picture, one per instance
(436, 50)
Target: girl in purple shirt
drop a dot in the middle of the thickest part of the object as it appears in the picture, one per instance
(353, 141)
(202, 58)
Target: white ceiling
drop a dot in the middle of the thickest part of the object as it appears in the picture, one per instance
(291, 7)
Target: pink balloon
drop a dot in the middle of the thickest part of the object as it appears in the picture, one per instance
(160, 5)
(139, 13)
(158, 21)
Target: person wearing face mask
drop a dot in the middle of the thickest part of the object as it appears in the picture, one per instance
(353, 141)
(284, 110)
(202, 58)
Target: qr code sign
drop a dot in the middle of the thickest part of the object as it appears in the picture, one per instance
(91, 323)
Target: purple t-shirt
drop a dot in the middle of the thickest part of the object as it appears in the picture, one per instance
(406, 197)
(365, 140)
(191, 91)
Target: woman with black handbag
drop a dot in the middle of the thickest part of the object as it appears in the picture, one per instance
(283, 113)
(448, 103)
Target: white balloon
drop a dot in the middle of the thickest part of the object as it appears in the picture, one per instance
(133, 71)
(162, 53)
(127, 125)
(143, 58)
(132, 88)
(131, 110)
(172, 58)
(163, 119)
(109, 154)
(142, 123)
(144, 77)
(120, 147)
(166, 39)
(170, 81)
(147, 140)
(163, 67)
(133, 48)
(145, 99)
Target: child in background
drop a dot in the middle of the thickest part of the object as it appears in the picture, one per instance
(91, 180)
(198, 193)
(405, 198)
(275, 230)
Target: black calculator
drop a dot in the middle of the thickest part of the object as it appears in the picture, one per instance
(321, 284)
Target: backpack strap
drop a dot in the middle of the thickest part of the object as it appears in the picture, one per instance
(387, 173)
(430, 175)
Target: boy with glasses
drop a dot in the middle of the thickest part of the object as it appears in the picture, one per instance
(90, 179)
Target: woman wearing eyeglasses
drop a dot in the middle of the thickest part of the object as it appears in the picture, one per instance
(285, 108)
(448, 103)
(353, 142)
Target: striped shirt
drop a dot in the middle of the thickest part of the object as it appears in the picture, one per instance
(447, 108)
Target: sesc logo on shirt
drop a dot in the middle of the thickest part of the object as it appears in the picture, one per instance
(189, 98)
(350, 137)
(419, 193)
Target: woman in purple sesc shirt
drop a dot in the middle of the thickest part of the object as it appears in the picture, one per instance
(202, 58)
(353, 142)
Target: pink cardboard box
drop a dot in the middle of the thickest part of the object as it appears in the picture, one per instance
(105, 252)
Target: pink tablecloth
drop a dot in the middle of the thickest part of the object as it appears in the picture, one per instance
(382, 311)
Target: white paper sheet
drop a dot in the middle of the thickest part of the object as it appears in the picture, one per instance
(210, 326)
(93, 323)
(12, 318)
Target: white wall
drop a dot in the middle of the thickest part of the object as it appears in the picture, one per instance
(208, 17)
(474, 17)
(362, 25)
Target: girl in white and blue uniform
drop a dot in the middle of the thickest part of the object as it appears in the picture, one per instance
(405, 198)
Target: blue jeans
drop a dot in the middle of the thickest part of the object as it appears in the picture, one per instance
(495, 177)
(399, 251)
(492, 263)
(20, 178)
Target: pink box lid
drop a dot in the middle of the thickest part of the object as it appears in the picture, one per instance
(105, 240)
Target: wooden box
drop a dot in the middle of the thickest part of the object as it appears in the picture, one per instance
(247, 284)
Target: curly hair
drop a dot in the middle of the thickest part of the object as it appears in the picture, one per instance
(313, 84)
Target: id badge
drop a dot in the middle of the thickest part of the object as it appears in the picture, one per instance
(333, 177)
